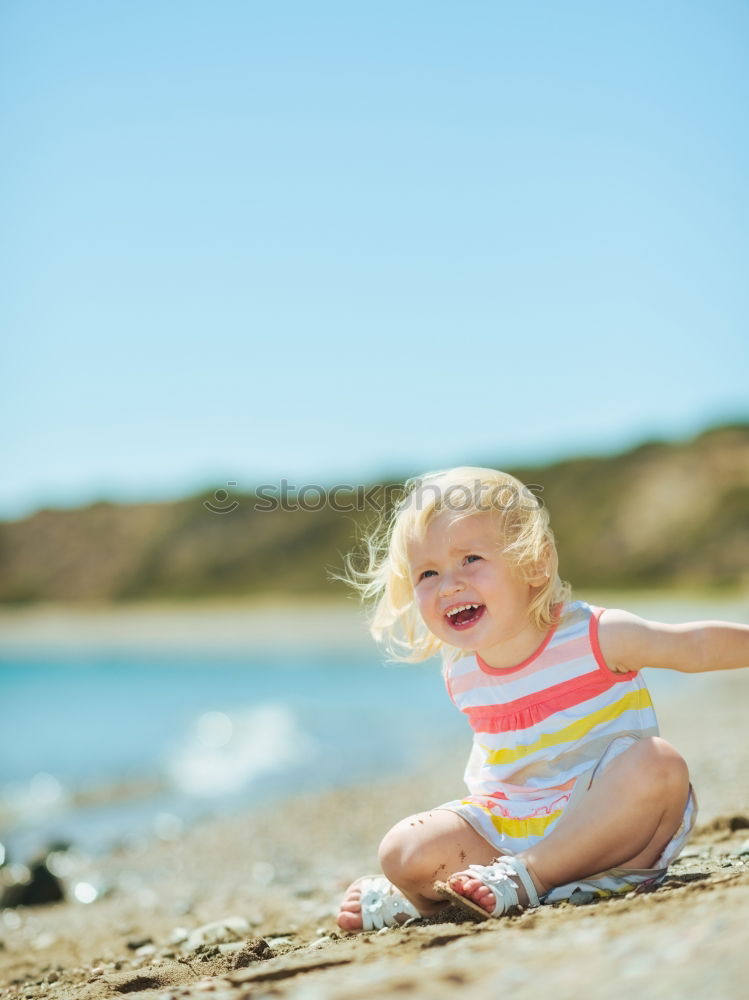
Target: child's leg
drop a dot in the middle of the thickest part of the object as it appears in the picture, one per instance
(625, 819)
(418, 851)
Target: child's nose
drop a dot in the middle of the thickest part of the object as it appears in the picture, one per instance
(450, 584)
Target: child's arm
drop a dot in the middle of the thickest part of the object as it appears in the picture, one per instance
(630, 643)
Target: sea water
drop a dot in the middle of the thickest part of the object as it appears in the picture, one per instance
(99, 747)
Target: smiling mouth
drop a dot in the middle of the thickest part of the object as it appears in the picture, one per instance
(465, 616)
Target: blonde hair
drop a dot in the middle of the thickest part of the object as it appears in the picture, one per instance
(385, 581)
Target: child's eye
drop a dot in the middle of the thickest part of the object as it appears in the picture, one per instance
(426, 573)
(471, 558)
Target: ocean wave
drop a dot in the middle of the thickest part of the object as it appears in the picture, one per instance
(224, 753)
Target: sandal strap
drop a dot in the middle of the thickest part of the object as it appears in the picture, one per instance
(499, 877)
(381, 903)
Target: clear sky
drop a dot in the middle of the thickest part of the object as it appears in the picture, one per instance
(325, 241)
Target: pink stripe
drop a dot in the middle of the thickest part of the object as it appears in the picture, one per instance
(565, 652)
(517, 669)
(544, 791)
(526, 712)
(569, 649)
(449, 684)
(596, 646)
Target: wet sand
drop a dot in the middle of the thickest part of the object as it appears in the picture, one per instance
(283, 872)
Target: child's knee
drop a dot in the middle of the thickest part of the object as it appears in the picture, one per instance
(402, 852)
(664, 769)
(674, 772)
(394, 852)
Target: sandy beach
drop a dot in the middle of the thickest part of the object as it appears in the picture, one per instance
(277, 877)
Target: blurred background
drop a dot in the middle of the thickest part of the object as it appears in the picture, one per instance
(252, 252)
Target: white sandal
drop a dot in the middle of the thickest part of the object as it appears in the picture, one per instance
(382, 903)
(502, 877)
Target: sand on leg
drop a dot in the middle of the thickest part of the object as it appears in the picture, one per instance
(415, 853)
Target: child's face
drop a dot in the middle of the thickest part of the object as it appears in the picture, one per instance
(468, 593)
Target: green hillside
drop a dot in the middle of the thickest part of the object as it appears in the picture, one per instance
(659, 515)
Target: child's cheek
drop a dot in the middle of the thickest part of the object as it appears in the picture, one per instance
(421, 602)
(484, 575)
(425, 602)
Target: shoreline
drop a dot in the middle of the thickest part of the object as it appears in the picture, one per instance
(270, 621)
(167, 626)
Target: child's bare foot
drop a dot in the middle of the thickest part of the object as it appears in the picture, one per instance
(478, 893)
(373, 902)
(349, 915)
(512, 883)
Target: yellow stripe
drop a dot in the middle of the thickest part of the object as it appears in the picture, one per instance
(616, 890)
(575, 731)
(534, 826)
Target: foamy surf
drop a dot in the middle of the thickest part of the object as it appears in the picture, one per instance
(224, 753)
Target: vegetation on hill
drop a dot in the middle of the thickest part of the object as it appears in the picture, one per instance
(659, 515)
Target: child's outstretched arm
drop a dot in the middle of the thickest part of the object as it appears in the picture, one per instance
(630, 643)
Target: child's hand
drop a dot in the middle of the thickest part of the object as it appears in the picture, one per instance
(629, 643)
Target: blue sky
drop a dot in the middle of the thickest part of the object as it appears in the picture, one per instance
(326, 241)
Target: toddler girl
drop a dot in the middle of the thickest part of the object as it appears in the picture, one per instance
(570, 788)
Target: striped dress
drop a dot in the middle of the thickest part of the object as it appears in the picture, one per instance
(541, 728)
